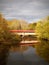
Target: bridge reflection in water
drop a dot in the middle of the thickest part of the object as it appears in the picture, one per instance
(29, 43)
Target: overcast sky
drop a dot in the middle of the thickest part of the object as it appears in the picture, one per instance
(29, 10)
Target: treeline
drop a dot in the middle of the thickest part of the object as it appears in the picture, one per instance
(20, 25)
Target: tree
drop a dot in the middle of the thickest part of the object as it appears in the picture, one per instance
(42, 30)
(32, 26)
(6, 40)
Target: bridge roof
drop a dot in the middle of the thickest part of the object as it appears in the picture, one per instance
(23, 31)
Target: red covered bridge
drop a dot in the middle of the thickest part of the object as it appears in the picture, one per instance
(24, 32)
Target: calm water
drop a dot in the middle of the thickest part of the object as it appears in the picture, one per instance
(27, 57)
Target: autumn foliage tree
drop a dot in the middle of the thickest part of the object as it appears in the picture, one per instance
(6, 40)
(42, 30)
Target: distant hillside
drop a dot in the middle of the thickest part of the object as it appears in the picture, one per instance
(17, 24)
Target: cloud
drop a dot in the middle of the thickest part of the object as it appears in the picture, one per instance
(30, 10)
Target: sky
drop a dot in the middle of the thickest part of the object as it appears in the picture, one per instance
(29, 10)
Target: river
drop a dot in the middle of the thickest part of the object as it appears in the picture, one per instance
(28, 57)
